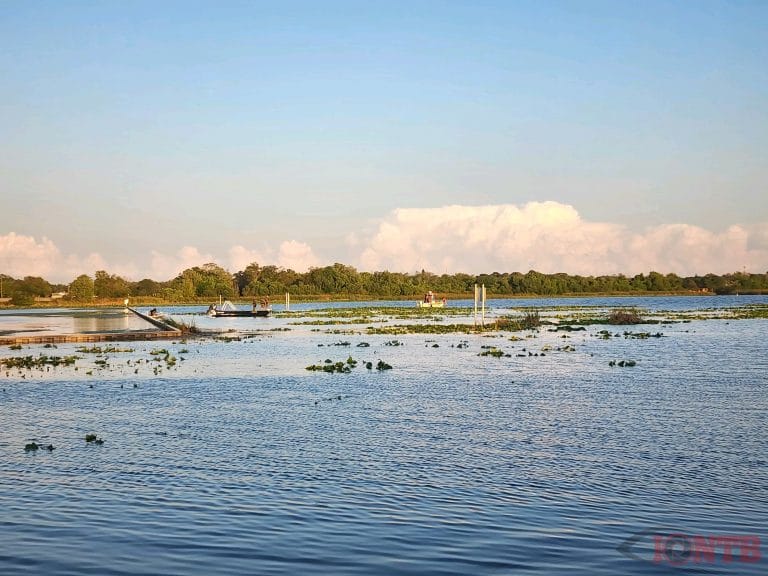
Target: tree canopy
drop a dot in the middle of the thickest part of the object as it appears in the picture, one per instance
(209, 281)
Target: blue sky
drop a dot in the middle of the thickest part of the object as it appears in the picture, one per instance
(133, 131)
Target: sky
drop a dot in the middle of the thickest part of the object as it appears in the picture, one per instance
(143, 138)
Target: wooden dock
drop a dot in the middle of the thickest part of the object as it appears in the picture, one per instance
(165, 331)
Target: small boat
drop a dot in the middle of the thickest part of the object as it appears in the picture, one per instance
(437, 304)
(228, 310)
(431, 302)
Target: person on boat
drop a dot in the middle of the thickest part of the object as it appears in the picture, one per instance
(153, 312)
(265, 302)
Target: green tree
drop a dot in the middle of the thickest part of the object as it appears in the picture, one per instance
(81, 288)
(35, 285)
(209, 281)
(110, 286)
(146, 287)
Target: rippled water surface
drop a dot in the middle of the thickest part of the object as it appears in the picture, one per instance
(237, 460)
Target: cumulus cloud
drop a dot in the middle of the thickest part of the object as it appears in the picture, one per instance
(544, 236)
(552, 237)
(164, 266)
(25, 256)
(240, 257)
(22, 255)
(296, 255)
(292, 254)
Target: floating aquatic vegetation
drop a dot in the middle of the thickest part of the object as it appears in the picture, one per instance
(421, 329)
(495, 352)
(383, 366)
(621, 317)
(531, 320)
(30, 362)
(90, 437)
(34, 447)
(622, 363)
(567, 328)
(363, 345)
(331, 367)
(363, 320)
(393, 343)
(328, 399)
(100, 350)
(340, 367)
(642, 335)
(342, 332)
(15, 346)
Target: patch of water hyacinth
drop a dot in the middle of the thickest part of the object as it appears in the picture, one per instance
(93, 439)
(622, 363)
(30, 362)
(345, 367)
(493, 351)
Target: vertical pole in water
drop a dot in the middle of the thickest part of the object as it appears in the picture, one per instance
(474, 314)
(287, 301)
(483, 306)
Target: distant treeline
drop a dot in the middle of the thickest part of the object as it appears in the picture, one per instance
(210, 280)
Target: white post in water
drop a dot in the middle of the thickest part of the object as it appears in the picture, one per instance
(287, 301)
(474, 314)
(482, 317)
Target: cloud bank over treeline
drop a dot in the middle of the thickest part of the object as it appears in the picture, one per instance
(549, 237)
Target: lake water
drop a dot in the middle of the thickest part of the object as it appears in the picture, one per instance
(237, 460)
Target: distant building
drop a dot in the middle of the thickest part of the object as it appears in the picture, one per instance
(54, 296)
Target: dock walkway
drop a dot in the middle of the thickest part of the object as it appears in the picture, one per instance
(165, 331)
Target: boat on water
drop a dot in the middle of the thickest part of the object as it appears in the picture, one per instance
(430, 301)
(227, 310)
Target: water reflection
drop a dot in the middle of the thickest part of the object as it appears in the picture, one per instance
(62, 321)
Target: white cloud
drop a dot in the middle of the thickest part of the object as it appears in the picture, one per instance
(552, 237)
(545, 236)
(240, 257)
(292, 254)
(24, 256)
(164, 267)
(296, 255)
